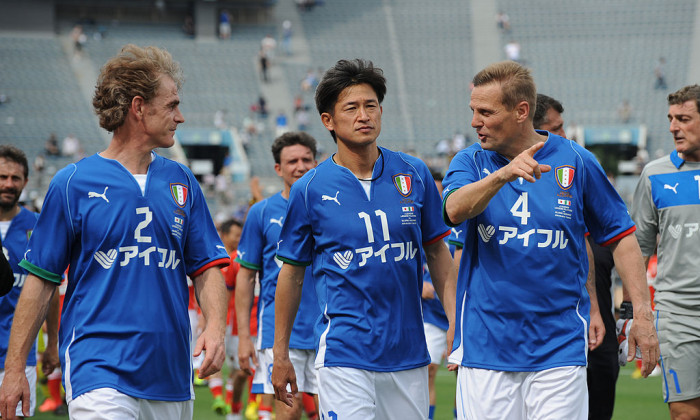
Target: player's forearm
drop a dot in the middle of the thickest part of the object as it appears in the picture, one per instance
(52, 318)
(630, 266)
(210, 290)
(32, 307)
(590, 279)
(245, 293)
(471, 200)
(287, 300)
(444, 276)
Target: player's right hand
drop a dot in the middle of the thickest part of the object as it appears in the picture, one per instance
(282, 375)
(525, 166)
(15, 388)
(246, 354)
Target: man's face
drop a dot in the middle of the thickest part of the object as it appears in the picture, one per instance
(295, 161)
(684, 122)
(12, 182)
(232, 237)
(356, 117)
(554, 123)
(496, 126)
(162, 114)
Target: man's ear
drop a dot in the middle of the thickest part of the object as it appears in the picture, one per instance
(522, 111)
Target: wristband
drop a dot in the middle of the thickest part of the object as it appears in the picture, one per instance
(626, 310)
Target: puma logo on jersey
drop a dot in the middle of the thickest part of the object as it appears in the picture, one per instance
(106, 259)
(325, 197)
(221, 247)
(93, 194)
(277, 221)
(456, 232)
(486, 171)
(668, 187)
(486, 232)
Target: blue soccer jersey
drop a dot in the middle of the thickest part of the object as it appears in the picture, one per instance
(521, 298)
(13, 245)
(256, 251)
(124, 323)
(366, 258)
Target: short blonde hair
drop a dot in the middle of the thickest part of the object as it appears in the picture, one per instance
(516, 82)
(135, 71)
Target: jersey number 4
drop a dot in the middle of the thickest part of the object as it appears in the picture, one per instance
(520, 209)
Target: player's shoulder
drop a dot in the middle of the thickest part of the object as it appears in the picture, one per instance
(662, 165)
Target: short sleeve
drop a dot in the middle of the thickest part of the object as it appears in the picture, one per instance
(48, 251)
(645, 215)
(296, 242)
(462, 171)
(250, 247)
(203, 248)
(605, 213)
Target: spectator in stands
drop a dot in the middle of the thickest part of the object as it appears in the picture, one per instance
(269, 45)
(310, 81)
(287, 37)
(224, 25)
(512, 49)
(503, 21)
(51, 146)
(281, 124)
(188, 26)
(263, 59)
(624, 112)
(79, 39)
(70, 146)
(660, 74)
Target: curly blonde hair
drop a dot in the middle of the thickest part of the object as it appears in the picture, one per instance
(135, 71)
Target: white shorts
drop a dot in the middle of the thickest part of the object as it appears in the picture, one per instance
(558, 393)
(347, 393)
(110, 404)
(232, 351)
(303, 363)
(436, 338)
(30, 372)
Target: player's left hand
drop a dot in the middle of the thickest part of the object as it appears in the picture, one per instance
(211, 341)
(49, 360)
(596, 331)
(283, 374)
(643, 335)
(450, 340)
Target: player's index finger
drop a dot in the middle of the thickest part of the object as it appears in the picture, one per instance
(533, 149)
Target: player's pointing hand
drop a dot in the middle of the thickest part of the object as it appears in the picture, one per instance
(524, 165)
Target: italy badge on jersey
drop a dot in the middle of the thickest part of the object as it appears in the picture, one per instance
(565, 176)
(179, 192)
(403, 184)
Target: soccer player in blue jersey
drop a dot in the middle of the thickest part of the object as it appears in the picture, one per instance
(666, 208)
(527, 197)
(131, 225)
(16, 224)
(294, 154)
(360, 220)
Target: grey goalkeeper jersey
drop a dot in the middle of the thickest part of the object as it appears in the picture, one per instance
(667, 203)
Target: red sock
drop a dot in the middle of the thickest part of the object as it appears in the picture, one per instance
(229, 392)
(236, 407)
(54, 386)
(264, 411)
(309, 404)
(216, 386)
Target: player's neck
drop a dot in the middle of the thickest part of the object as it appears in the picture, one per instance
(360, 161)
(134, 159)
(8, 214)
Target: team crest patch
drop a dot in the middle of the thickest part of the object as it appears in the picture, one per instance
(403, 184)
(179, 192)
(565, 176)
